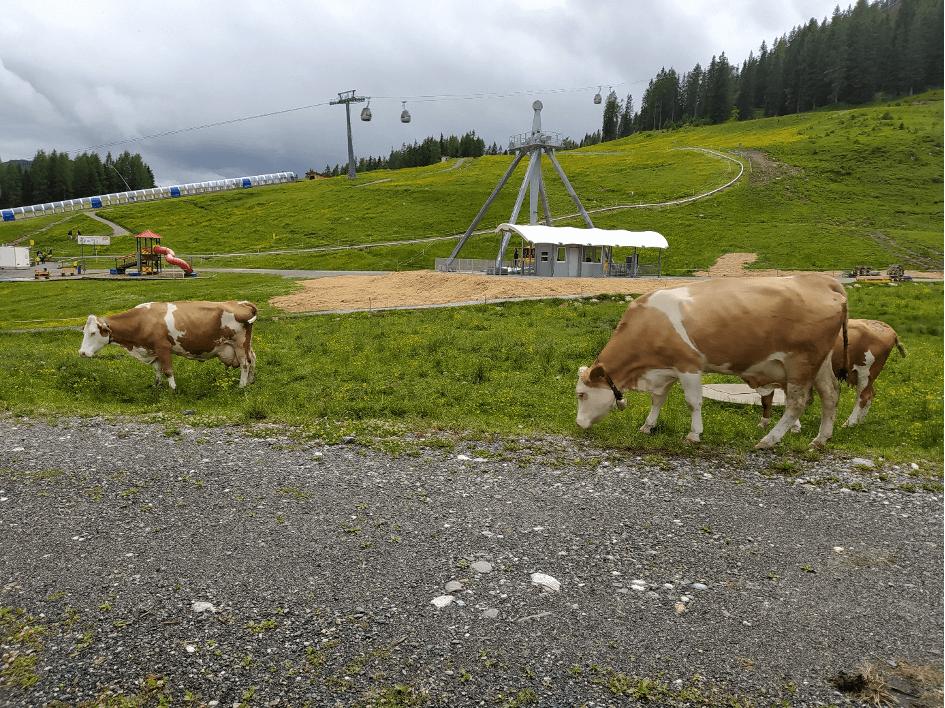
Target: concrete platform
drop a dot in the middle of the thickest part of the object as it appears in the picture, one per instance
(738, 393)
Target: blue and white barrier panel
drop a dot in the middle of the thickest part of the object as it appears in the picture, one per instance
(146, 195)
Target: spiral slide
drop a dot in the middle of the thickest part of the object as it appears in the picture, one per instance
(173, 259)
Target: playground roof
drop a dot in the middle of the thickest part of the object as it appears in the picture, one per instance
(571, 236)
(148, 234)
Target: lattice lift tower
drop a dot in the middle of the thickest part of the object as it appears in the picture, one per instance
(347, 98)
(532, 144)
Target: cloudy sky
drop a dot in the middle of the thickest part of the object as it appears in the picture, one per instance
(211, 89)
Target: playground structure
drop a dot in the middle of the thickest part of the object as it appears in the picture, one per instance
(147, 258)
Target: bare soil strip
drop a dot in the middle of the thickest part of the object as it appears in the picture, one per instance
(424, 287)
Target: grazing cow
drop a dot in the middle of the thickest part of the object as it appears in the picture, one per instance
(870, 344)
(152, 331)
(766, 330)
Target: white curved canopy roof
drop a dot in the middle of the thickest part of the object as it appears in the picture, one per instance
(571, 236)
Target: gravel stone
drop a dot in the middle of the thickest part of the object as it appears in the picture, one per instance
(246, 565)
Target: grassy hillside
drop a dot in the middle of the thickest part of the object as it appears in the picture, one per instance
(827, 189)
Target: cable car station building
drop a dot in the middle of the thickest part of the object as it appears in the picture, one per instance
(568, 252)
(547, 251)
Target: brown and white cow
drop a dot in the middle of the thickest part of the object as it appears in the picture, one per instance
(870, 344)
(766, 330)
(152, 331)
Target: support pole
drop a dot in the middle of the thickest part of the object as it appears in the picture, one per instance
(534, 162)
(347, 98)
(351, 173)
(485, 208)
(544, 202)
(574, 196)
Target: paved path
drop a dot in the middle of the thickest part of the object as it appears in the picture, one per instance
(116, 229)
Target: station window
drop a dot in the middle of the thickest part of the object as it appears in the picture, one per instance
(561, 251)
(544, 256)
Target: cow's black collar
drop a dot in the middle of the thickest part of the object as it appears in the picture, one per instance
(610, 382)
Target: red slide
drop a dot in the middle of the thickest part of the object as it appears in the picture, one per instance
(171, 258)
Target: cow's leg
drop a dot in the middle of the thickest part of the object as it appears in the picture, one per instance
(158, 379)
(692, 388)
(163, 365)
(767, 398)
(796, 401)
(864, 397)
(248, 369)
(828, 388)
(658, 397)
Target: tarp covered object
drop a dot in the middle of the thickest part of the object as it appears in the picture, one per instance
(571, 236)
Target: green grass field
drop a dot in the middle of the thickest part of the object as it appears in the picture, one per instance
(508, 368)
(838, 188)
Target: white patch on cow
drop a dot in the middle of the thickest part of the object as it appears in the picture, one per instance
(172, 330)
(863, 371)
(228, 321)
(656, 380)
(862, 381)
(145, 305)
(669, 302)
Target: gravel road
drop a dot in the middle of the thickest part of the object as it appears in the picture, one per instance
(225, 567)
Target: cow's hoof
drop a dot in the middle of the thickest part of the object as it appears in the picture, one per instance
(646, 429)
(796, 428)
(764, 424)
(765, 444)
(692, 439)
(818, 442)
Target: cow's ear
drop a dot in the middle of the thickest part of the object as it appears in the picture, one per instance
(103, 328)
(595, 376)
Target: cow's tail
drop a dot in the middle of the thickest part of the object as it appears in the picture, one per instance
(902, 349)
(845, 369)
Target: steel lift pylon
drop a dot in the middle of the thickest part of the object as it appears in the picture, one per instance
(533, 144)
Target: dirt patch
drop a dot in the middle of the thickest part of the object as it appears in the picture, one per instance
(907, 256)
(762, 169)
(424, 287)
(732, 265)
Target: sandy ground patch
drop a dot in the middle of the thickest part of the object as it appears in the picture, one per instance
(426, 287)
(732, 265)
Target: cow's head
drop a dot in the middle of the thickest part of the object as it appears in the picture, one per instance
(595, 396)
(95, 335)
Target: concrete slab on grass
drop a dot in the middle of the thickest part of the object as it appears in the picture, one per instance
(738, 393)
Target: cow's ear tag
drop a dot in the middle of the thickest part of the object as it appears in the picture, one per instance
(622, 404)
